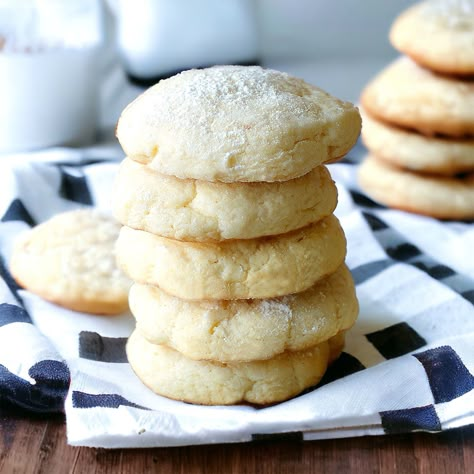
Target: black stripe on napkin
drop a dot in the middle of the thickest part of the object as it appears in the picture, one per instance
(369, 270)
(396, 340)
(47, 395)
(435, 270)
(103, 400)
(410, 419)
(17, 212)
(74, 188)
(448, 377)
(364, 201)
(53, 374)
(468, 295)
(343, 366)
(403, 252)
(374, 222)
(93, 346)
(10, 313)
(406, 252)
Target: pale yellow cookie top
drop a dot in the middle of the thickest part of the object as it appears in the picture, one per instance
(413, 97)
(70, 260)
(236, 123)
(245, 330)
(234, 269)
(194, 210)
(438, 34)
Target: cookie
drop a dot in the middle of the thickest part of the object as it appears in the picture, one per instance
(244, 330)
(195, 210)
(438, 34)
(417, 152)
(169, 373)
(336, 346)
(436, 196)
(234, 269)
(236, 123)
(409, 96)
(69, 260)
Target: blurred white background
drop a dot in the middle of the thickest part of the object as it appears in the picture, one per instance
(338, 45)
(317, 29)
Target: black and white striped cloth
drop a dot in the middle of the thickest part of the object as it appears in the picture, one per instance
(408, 363)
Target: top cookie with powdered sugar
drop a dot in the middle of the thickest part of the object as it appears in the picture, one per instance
(438, 35)
(237, 124)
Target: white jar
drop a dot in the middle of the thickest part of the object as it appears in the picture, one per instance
(48, 98)
(157, 38)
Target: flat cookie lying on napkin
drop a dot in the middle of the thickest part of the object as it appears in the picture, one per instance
(69, 260)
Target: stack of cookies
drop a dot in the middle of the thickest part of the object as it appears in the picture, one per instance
(419, 114)
(241, 292)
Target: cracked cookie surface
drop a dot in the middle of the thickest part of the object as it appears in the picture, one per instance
(197, 210)
(234, 269)
(244, 330)
(69, 260)
(169, 373)
(235, 123)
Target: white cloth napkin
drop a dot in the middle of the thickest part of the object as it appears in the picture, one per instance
(407, 364)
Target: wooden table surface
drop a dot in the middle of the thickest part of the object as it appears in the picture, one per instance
(38, 445)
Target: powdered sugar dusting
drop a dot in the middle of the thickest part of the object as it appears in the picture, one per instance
(238, 96)
(230, 84)
(276, 307)
(236, 123)
(222, 90)
(453, 13)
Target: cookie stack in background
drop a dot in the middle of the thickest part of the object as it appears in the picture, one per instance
(241, 293)
(419, 114)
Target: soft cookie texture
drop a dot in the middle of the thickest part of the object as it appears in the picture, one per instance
(410, 96)
(417, 152)
(235, 123)
(169, 373)
(244, 330)
(201, 211)
(438, 34)
(69, 260)
(234, 269)
(436, 196)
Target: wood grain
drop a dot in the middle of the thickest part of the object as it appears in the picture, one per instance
(38, 445)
